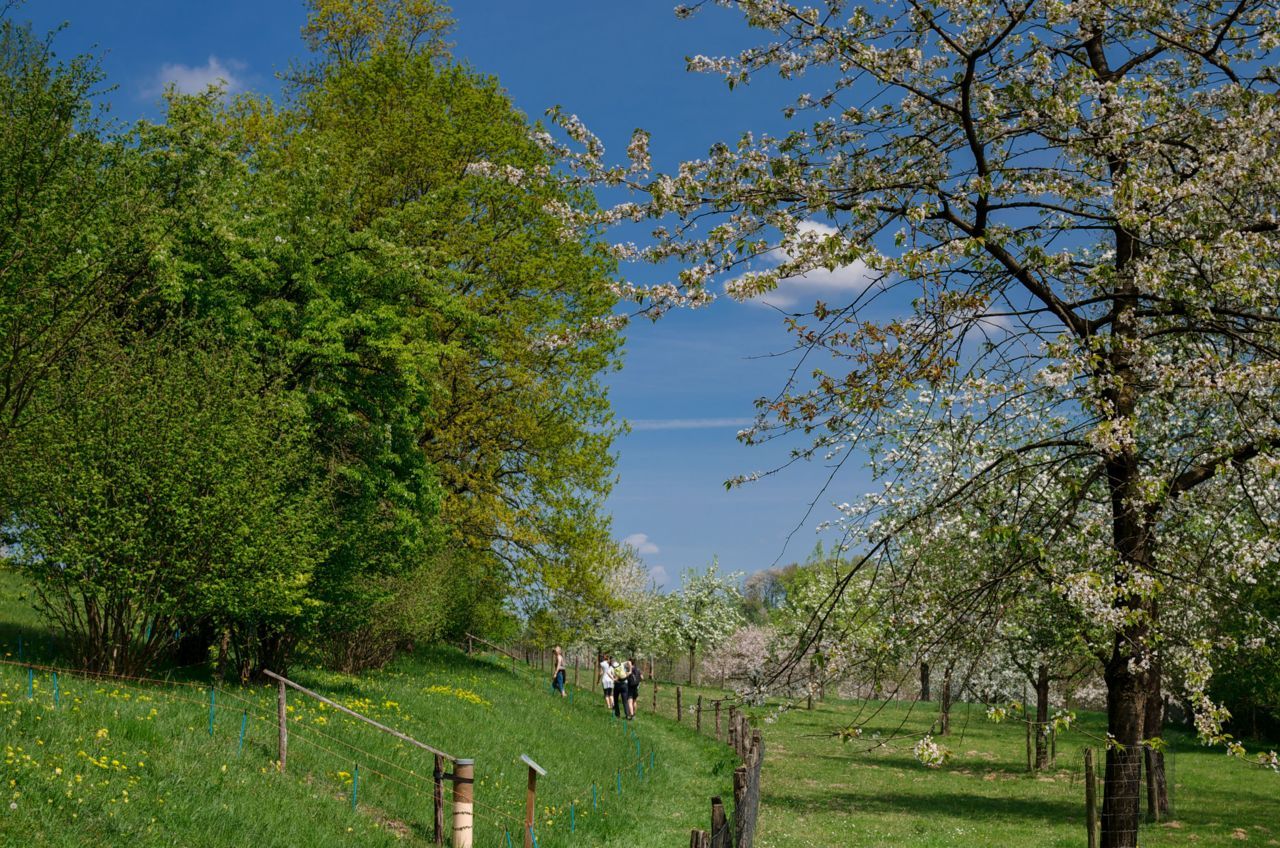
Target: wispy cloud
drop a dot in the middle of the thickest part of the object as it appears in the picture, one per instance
(642, 543)
(687, 423)
(193, 79)
(811, 285)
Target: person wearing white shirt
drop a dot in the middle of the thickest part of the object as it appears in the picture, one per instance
(606, 679)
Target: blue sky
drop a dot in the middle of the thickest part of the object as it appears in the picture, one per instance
(689, 380)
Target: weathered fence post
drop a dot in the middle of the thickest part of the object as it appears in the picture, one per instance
(717, 719)
(679, 709)
(655, 696)
(733, 727)
(720, 835)
(463, 776)
(1031, 763)
(437, 798)
(1090, 799)
(575, 671)
(697, 716)
(284, 727)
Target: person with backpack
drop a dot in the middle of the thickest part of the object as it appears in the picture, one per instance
(633, 687)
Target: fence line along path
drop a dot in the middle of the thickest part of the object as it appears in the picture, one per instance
(462, 776)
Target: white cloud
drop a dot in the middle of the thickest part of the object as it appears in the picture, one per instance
(641, 542)
(687, 423)
(812, 285)
(193, 79)
(659, 575)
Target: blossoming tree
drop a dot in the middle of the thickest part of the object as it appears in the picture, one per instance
(1066, 213)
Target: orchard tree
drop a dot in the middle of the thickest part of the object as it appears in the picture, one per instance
(703, 613)
(1062, 205)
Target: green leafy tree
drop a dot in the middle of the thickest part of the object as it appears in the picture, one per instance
(159, 488)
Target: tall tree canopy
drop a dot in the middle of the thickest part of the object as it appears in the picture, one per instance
(1067, 216)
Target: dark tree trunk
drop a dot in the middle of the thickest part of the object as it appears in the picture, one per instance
(946, 703)
(1042, 716)
(1126, 700)
(924, 681)
(1152, 727)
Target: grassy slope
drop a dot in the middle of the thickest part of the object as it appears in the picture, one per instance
(136, 765)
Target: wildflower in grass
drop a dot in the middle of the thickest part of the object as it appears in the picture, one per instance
(101, 734)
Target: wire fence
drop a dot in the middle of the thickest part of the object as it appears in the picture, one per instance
(361, 776)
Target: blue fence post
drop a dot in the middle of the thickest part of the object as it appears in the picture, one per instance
(212, 708)
(595, 799)
(533, 837)
(244, 721)
(57, 696)
(31, 683)
(355, 786)
(573, 818)
(618, 777)
(508, 833)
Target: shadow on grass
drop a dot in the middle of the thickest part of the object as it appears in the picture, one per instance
(960, 805)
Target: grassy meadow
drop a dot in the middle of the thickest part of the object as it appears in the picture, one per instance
(136, 765)
(111, 764)
(871, 791)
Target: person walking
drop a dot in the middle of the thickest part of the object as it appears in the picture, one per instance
(619, 675)
(633, 687)
(557, 678)
(606, 679)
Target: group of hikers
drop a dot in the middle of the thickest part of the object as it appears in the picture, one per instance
(621, 679)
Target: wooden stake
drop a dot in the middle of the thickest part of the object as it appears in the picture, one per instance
(717, 719)
(697, 716)
(530, 806)
(720, 835)
(438, 801)
(463, 776)
(1030, 757)
(655, 696)
(679, 711)
(1090, 799)
(284, 728)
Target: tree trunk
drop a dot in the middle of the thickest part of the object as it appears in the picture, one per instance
(924, 681)
(1126, 698)
(946, 703)
(1042, 716)
(691, 656)
(1152, 727)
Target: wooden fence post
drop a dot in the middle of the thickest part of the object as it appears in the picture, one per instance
(717, 719)
(655, 696)
(697, 720)
(720, 835)
(1090, 799)
(463, 775)
(284, 728)
(530, 807)
(575, 671)
(679, 711)
(437, 798)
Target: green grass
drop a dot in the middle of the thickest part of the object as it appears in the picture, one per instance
(135, 765)
(871, 791)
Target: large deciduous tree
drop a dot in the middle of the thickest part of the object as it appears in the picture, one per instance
(1067, 209)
